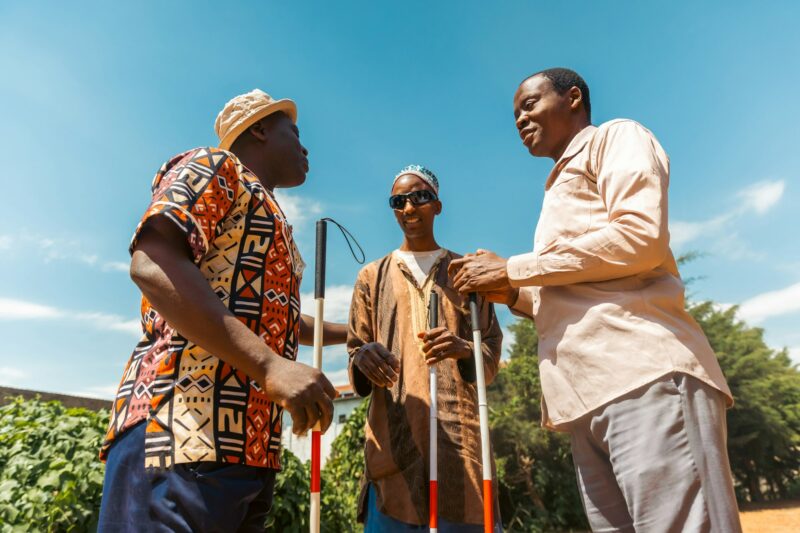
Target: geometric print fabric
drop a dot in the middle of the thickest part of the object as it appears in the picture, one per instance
(197, 407)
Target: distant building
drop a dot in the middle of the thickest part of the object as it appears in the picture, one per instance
(343, 406)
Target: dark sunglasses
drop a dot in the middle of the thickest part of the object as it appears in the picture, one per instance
(398, 201)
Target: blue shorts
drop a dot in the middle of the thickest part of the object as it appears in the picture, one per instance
(377, 522)
(202, 496)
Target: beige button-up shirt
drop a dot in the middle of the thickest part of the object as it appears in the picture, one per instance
(601, 282)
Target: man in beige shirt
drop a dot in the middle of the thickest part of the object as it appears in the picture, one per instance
(624, 368)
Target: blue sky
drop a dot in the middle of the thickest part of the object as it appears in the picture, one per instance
(95, 96)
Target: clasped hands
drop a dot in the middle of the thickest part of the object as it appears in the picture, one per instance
(483, 272)
(382, 367)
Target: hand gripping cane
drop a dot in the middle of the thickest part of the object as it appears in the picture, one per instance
(433, 495)
(483, 413)
(319, 297)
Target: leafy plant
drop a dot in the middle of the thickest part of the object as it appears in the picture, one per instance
(50, 477)
(341, 477)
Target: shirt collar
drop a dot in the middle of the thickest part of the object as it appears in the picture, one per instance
(574, 147)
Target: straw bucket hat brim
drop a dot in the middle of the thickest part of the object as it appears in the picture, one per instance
(286, 105)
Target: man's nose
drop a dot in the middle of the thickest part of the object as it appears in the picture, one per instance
(409, 207)
(304, 149)
(521, 121)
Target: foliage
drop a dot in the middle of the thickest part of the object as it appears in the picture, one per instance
(290, 504)
(50, 477)
(764, 423)
(538, 491)
(340, 483)
(341, 477)
(51, 480)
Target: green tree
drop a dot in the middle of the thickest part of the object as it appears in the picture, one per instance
(538, 491)
(764, 423)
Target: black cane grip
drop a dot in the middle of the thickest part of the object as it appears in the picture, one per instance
(319, 265)
(433, 310)
(473, 311)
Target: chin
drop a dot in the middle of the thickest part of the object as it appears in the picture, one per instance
(296, 182)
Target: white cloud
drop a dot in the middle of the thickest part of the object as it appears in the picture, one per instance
(8, 372)
(338, 377)
(755, 199)
(116, 266)
(21, 310)
(50, 249)
(681, 232)
(337, 303)
(11, 309)
(102, 392)
(780, 302)
(794, 354)
(297, 209)
(762, 195)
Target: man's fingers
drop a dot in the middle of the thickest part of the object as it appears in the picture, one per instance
(325, 406)
(328, 388)
(372, 368)
(299, 421)
(312, 415)
(432, 333)
(391, 359)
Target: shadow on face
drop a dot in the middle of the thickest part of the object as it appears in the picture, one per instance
(416, 221)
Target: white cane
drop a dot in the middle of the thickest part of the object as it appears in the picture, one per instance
(483, 413)
(319, 297)
(433, 495)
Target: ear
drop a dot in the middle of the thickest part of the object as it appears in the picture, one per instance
(575, 98)
(438, 207)
(259, 131)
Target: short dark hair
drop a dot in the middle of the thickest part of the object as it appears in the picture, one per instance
(564, 79)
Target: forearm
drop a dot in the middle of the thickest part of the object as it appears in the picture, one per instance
(183, 297)
(332, 333)
(621, 249)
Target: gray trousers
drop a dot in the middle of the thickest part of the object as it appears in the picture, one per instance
(656, 460)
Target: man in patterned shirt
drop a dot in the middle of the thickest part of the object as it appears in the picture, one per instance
(194, 438)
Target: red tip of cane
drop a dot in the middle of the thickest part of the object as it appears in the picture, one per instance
(434, 507)
(315, 461)
(488, 507)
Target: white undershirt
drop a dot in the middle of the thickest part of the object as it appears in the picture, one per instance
(419, 263)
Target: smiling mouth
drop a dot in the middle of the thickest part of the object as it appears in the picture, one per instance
(411, 220)
(527, 139)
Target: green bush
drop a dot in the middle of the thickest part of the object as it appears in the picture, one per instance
(50, 477)
(341, 477)
(290, 503)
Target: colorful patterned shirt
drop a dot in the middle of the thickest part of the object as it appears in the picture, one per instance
(197, 407)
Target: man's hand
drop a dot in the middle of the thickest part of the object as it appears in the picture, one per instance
(507, 296)
(483, 272)
(378, 364)
(440, 344)
(303, 391)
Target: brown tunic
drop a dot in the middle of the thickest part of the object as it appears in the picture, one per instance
(397, 429)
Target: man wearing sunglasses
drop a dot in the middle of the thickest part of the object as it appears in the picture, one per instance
(390, 350)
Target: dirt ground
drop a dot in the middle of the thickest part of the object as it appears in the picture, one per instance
(772, 518)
